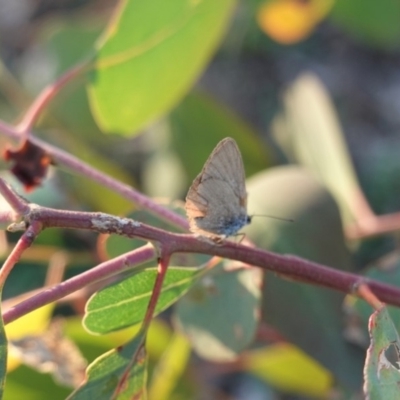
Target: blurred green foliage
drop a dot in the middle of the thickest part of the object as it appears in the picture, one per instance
(144, 62)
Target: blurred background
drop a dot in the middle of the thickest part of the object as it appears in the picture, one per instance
(312, 83)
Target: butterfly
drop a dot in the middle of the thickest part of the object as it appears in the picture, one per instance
(216, 203)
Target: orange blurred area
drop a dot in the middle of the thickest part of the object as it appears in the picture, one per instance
(290, 21)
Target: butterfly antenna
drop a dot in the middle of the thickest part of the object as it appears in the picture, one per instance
(273, 217)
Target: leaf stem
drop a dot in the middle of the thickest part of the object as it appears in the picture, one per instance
(23, 243)
(163, 263)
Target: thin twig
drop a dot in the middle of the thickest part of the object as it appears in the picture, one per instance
(96, 274)
(17, 203)
(378, 225)
(23, 243)
(163, 263)
(48, 93)
(365, 293)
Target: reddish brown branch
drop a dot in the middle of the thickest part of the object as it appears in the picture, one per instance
(23, 243)
(378, 225)
(17, 203)
(291, 266)
(47, 94)
(96, 274)
(161, 271)
(365, 293)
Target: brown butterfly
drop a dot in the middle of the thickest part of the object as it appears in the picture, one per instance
(216, 204)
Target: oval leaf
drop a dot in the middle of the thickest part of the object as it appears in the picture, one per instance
(288, 368)
(151, 54)
(220, 314)
(381, 373)
(128, 362)
(318, 143)
(315, 234)
(124, 303)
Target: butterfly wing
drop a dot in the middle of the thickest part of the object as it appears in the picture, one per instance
(216, 201)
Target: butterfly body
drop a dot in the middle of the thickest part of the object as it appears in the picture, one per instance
(225, 227)
(216, 203)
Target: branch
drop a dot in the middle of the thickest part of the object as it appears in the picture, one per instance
(17, 203)
(292, 267)
(96, 274)
(23, 243)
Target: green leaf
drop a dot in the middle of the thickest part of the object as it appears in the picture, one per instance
(220, 313)
(374, 22)
(150, 56)
(292, 192)
(199, 123)
(382, 377)
(170, 369)
(286, 367)
(316, 234)
(124, 303)
(104, 374)
(313, 136)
